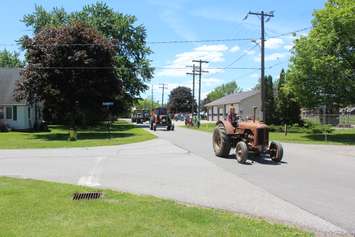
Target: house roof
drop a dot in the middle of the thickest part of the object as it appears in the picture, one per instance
(8, 78)
(233, 98)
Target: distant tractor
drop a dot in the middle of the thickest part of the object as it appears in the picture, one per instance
(245, 136)
(161, 118)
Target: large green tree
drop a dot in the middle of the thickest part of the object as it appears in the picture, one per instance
(146, 104)
(10, 59)
(181, 100)
(322, 68)
(71, 70)
(223, 90)
(131, 52)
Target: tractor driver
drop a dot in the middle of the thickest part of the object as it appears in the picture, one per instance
(232, 117)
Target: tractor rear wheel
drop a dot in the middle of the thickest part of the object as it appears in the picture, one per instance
(221, 142)
(241, 152)
(276, 151)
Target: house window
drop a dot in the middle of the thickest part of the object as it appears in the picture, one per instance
(14, 112)
(8, 112)
(1, 112)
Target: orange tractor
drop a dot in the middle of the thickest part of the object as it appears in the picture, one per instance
(245, 136)
(161, 118)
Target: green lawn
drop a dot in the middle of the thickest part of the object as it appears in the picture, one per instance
(338, 137)
(37, 208)
(122, 133)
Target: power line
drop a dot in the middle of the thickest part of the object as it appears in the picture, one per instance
(274, 65)
(112, 68)
(148, 42)
(177, 41)
(240, 57)
(212, 68)
(290, 33)
(199, 41)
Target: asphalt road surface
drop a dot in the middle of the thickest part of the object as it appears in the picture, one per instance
(316, 178)
(314, 187)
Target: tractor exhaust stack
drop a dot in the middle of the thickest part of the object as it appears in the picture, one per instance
(254, 115)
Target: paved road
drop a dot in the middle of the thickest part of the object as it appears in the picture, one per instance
(316, 178)
(313, 189)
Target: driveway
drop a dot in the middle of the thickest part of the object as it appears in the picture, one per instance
(180, 165)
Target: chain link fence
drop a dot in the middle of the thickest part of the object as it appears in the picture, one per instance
(345, 120)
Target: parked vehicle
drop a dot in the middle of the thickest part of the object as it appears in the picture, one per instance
(161, 118)
(140, 116)
(180, 117)
(245, 136)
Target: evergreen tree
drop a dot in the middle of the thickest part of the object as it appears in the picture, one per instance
(288, 108)
(269, 101)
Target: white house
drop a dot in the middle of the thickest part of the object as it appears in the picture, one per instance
(18, 115)
(243, 102)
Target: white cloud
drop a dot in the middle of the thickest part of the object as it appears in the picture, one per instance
(234, 49)
(273, 43)
(211, 81)
(249, 52)
(204, 94)
(216, 47)
(274, 56)
(288, 47)
(271, 57)
(254, 75)
(211, 53)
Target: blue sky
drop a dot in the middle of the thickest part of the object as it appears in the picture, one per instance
(194, 20)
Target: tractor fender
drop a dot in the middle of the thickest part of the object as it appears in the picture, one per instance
(230, 129)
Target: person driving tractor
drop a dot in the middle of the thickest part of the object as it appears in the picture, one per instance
(232, 117)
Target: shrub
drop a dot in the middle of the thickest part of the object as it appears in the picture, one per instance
(321, 129)
(307, 128)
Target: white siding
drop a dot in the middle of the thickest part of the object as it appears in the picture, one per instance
(23, 121)
(246, 106)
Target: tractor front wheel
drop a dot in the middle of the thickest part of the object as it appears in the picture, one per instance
(221, 142)
(276, 151)
(241, 152)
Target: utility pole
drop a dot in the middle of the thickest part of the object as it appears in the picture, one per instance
(262, 16)
(199, 88)
(163, 86)
(193, 73)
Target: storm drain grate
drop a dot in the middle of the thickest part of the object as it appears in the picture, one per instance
(87, 195)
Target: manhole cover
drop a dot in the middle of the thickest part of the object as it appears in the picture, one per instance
(87, 195)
